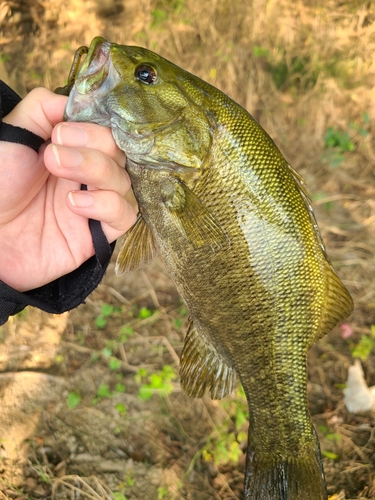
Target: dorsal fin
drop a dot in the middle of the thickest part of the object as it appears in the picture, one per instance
(203, 368)
(302, 187)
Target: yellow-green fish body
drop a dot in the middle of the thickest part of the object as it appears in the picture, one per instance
(234, 225)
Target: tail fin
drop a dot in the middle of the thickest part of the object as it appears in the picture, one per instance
(296, 478)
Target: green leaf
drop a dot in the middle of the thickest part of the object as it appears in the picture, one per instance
(73, 399)
(145, 393)
(114, 363)
(366, 118)
(364, 347)
(241, 418)
(120, 387)
(103, 391)
(117, 495)
(144, 313)
(106, 352)
(125, 333)
(330, 454)
(107, 310)
(260, 51)
(100, 322)
(121, 408)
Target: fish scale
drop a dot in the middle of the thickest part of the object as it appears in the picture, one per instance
(234, 225)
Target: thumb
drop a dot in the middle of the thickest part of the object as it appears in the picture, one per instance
(38, 112)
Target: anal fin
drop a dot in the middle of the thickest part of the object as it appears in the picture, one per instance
(138, 248)
(203, 368)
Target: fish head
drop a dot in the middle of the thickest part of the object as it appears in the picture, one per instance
(152, 106)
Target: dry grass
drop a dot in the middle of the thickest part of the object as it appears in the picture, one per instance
(299, 67)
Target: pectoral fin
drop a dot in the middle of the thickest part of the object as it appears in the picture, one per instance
(138, 248)
(203, 368)
(194, 220)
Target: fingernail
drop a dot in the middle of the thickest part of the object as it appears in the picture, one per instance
(66, 157)
(71, 136)
(80, 199)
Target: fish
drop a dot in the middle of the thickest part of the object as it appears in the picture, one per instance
(234, 224)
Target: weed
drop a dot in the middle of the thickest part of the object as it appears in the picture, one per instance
(4, 58)
(112, 346)
(73, 399)
(121, 408)
(117, 495)
(331, 436)
(330, 455)
(363, 349)
(144, 313)
(162, 492)
(114, 363)
(224, 445)
(106, 311)
(127, 481)
(296, 72)
(43, 476)
(156, 383)
(120, 387)
(102, 392)
(125, 333)
(164, 9)
(334, 438)
(338, 143)
(260, 51)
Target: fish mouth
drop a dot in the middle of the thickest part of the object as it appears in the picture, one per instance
(95, 80)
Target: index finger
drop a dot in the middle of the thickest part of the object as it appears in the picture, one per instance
(88, 135)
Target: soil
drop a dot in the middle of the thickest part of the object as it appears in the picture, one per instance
(75, 419)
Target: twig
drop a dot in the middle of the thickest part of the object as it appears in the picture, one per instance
(123, 355)
(117, 295)
(151, 290)
(356, 448)
(167, 344)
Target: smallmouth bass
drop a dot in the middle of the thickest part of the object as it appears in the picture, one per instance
(234, 225)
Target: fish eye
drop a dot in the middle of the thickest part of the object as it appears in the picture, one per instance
(146, 74)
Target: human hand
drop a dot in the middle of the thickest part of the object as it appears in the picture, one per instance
(44, 231)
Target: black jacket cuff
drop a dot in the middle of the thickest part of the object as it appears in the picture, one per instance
(56, 297)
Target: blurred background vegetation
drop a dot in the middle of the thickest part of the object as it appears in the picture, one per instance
(305, 70)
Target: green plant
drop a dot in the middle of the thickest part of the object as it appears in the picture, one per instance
(117, 495)
(155, 383)
(162, 492)
(114, 363)
(363, 349)
(73, 399)
(121, 408)
(105, 312)
(338, 143)
(333, 437)
(103, 391)
(144, 313)
(164, 9)
(224, 444)
(112, 346)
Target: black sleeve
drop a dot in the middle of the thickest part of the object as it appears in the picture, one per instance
(70, 290)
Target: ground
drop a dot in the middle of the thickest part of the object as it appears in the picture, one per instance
(91, 402)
